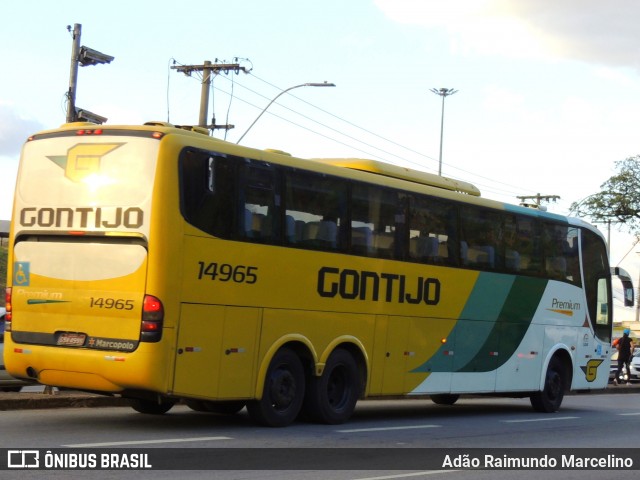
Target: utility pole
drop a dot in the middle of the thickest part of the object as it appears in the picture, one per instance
(444, 93)
(73, 77)
(208, 69)
(537, 200)
(83, 56)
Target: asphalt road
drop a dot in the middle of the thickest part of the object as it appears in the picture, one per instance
(35, 397)
(380, 432)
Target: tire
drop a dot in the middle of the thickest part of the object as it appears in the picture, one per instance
(225, 407)
(196, 405)
(555, 383)
(283, 392)
(331, 398)
(10, 389)
(445, 398)
(229, 407)
(152, 407)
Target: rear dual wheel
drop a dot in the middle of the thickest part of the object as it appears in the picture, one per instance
(152, 407)
(226, 407)
(331, 398)
(283, 391)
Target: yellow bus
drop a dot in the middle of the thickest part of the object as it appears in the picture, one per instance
(160, 264)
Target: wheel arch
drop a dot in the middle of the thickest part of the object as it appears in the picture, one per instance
(563, 355)
(355, 347)
(300, 344)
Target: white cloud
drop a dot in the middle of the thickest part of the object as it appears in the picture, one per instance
(501, 100)
(586, 30)
(14, 130)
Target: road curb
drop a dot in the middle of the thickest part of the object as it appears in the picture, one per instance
(74, 399)
(38, 400)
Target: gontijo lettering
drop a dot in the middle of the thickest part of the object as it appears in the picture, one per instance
(390, 287)
(82, 217)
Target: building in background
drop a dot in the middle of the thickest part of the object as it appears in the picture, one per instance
(4, 231)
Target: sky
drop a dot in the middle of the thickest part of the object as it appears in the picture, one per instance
(546, 103)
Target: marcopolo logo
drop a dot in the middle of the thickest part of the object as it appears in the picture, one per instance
(83, 159)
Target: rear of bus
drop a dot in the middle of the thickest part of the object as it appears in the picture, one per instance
(82, 310)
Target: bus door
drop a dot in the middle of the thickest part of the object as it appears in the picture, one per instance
(397, 336)
(475, 355)
(409, 342)
(216, 351)
(430, 355)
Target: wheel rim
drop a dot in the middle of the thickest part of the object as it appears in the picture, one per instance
(554, 386)
(338, 387)
(283, 389)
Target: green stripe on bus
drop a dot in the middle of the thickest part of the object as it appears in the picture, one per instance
(510, 326)
(499, 309)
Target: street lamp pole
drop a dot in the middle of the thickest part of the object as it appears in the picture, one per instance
(323, 84)
(443, 92)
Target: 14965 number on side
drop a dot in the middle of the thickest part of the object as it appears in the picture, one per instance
(224, 272)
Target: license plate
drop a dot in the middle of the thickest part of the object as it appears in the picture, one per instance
(69, 339)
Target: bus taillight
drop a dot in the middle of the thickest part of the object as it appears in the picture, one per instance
(89, 131)
(7, 316)
(152, 318)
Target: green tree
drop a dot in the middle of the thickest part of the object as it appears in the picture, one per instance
(619, 198)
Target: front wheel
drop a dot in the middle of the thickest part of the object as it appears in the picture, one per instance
(555, 382)
(331, 398)
(445, 398)
(283, 391)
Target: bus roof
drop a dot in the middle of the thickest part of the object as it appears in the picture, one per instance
(356, 164)
(402, 173)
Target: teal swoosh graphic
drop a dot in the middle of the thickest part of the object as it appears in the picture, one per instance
(38, 301)
(494, 319)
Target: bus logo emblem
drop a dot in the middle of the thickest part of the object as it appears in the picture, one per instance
(591, 369)
(83, 159)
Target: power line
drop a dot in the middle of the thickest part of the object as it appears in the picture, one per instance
(490, 185)
(404, 147)
(489, 188)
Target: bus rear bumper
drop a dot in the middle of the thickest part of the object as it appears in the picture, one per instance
(77, 380)
(99, 371)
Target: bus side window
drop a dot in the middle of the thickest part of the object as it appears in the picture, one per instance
(527, 246)
(512, 257)
(561, 253)
(481, 241)
(315, 207)
(260, 205)
(433, 227)
(377, 215)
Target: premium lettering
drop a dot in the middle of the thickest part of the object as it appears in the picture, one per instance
(566, 305)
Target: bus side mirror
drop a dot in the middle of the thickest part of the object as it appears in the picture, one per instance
(627, 285)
